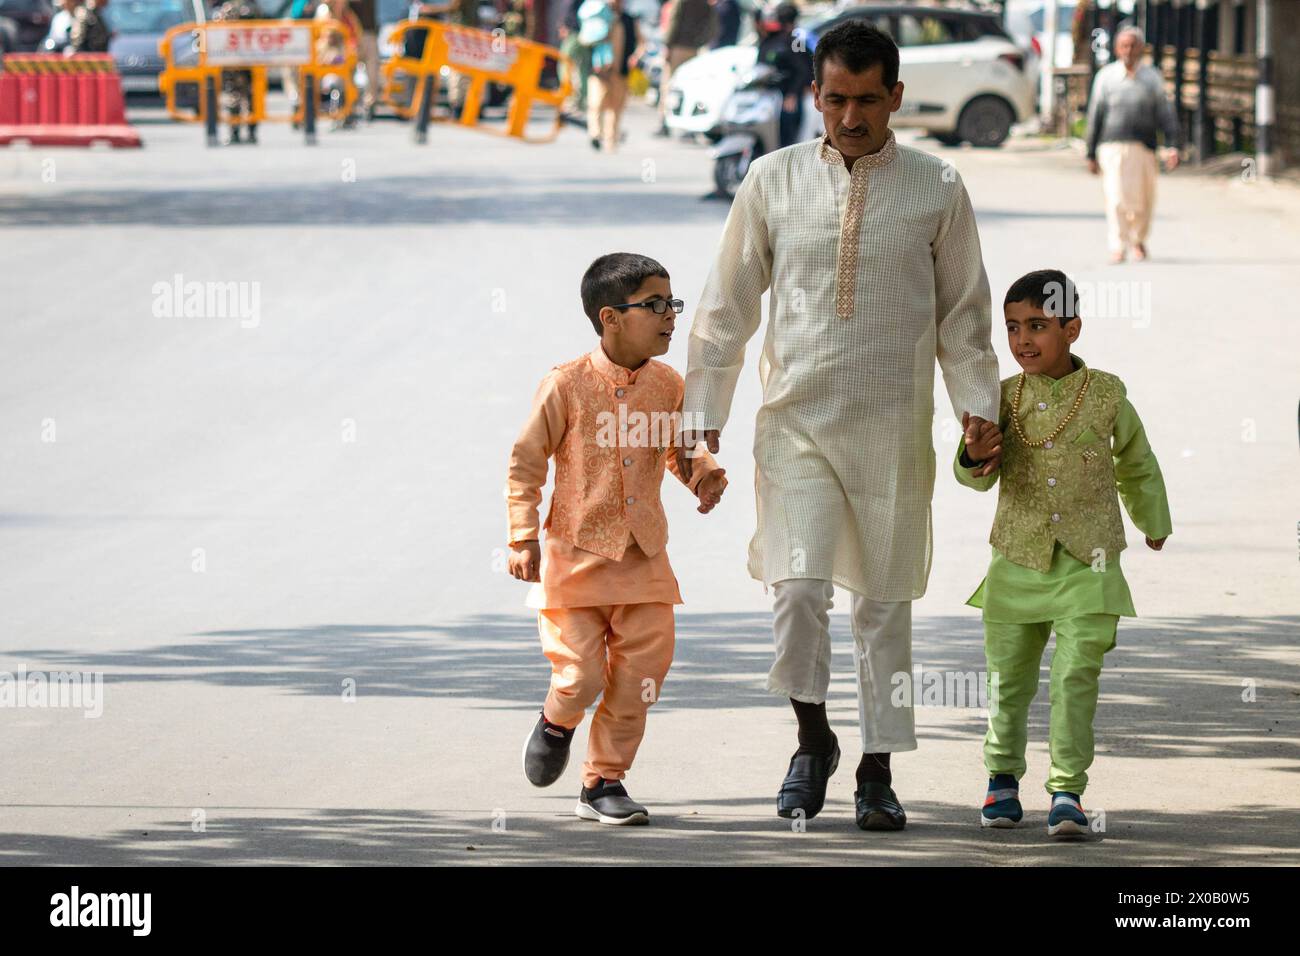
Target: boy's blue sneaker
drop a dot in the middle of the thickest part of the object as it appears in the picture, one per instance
(1066, 817)
(1002, 803)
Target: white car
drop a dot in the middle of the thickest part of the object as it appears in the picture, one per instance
(965, 77)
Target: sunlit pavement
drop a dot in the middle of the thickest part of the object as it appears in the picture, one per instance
(276, 528)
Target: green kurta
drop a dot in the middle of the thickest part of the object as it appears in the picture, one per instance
(1013, 594)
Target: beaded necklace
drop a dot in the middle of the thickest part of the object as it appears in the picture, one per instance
(1050, 439)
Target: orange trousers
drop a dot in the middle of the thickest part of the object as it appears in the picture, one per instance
(622, 650)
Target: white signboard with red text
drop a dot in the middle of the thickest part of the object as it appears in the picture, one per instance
(278, 45)
(471, 48)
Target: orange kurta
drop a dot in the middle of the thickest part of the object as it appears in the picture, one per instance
(611, 432)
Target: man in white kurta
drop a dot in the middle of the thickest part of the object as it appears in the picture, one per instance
(872, 274)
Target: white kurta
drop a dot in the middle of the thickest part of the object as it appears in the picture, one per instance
(873, 276)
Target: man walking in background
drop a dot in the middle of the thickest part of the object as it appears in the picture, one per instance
(237, 84)
(692, 24)
(89, 32)
(1128, 107)
(782, 51)
(368, 51)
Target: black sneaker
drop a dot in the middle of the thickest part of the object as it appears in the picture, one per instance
(608, 802)
(546, 752)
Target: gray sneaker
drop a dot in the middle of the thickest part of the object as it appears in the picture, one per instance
(608, 802)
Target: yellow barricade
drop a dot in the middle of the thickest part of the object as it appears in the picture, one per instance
(483, 58)
(311, 50)
(58, 63)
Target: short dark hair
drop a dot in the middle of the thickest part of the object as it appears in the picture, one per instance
(612, 278)
(858, 46)
(1045, 287)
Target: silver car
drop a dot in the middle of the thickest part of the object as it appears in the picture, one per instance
(137, 26)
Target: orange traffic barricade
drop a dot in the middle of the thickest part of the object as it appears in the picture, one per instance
(315, 52)
(484, 58)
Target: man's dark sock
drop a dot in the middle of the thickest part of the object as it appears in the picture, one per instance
(874, 768)
(814, 731)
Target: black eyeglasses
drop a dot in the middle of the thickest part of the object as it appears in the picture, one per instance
(657, 306)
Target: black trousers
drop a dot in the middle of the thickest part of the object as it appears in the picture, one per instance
(791, 120)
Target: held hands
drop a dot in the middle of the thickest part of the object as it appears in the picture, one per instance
(689, 440)
(1171, 158)
(710, 490)
(525, 560)
(983, 444)
(1157, 544)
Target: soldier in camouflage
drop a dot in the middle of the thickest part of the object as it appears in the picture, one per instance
(237, 85)
(89, 32)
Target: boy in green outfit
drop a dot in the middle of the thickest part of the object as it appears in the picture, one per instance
(1068, 448)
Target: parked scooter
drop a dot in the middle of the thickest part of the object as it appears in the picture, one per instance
(750, 125)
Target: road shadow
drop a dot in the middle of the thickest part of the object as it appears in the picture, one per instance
(1206, 686)
(1173, 689)
(938, 834)
(375, 201)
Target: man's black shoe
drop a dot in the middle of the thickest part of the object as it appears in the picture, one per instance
(546, 753)
(878, 808)
(804, 787)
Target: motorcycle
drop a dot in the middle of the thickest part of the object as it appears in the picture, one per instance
(750, 124)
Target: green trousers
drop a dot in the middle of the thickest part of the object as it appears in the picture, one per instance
(1015, 653)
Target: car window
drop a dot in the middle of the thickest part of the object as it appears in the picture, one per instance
(149, 16)
(1065, 16)
(923, 30)
(15, 7)
(972, 28)
(879, 20)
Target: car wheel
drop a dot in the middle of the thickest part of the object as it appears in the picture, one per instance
(986, 121)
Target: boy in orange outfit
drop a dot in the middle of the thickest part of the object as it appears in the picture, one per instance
(610, 419)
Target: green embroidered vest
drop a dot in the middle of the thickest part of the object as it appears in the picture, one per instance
(1067, 492)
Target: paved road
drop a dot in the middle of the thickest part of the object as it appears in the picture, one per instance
(331, 457)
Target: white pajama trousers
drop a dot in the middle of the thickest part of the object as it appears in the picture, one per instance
(1129, 172)
(882, 636)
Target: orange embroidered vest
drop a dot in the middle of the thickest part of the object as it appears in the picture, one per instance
(609, 466)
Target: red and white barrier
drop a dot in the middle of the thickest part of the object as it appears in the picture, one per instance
(64, 108)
